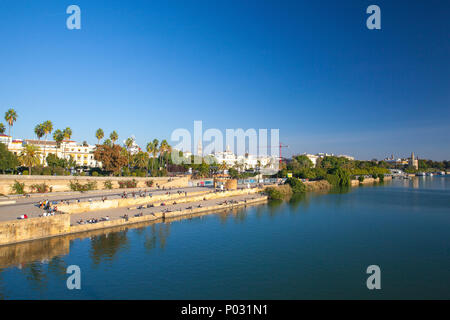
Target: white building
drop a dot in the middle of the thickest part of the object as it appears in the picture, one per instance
(83, 155)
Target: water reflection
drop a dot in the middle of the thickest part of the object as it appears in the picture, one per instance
(105, 247)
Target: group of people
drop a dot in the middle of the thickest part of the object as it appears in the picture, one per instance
(93, 220)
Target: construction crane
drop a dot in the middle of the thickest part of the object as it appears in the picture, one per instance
(280, 146)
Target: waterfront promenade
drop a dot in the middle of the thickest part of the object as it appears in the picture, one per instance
(94, 211)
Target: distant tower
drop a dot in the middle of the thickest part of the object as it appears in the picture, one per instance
(413, 161)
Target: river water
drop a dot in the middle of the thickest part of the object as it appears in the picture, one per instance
(317, 246)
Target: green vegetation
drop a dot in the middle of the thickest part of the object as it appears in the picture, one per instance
(296, 185)
(40, 188)
(76, 186)
(279, 192)
(149, 183)
(108, 184)
(8, 160)
(127, 184)
(18, 188)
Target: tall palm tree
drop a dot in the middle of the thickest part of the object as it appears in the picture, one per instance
(48, 128)
(67, 134)
(10, 117)
(155, 148)
(114, 136)
(99, 134)
(58, 136)
(39, 131)
(2, 128)
(29, 156)
(162, 150)
(151, 149)
(128, 144)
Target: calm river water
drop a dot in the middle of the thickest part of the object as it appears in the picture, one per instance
(316, 246)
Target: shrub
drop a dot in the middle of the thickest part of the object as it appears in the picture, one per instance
(279, 192)
(127, 184)
(18, 188)
(40, 188)
(95, 174)
(361, 178)
(108, 184)
(296, 185)
(381, 176)
(76, 186)
(149, 183)
(25, 172)
(374, 176)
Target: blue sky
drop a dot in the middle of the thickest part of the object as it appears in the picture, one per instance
(311, 69)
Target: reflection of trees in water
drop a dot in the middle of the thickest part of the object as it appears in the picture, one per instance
(223, 216)
(163, 232)
(154, 233)
(297, 200)
(35, 274)
(240, 214)
(275, 207)
(58, 267)
(106, 246)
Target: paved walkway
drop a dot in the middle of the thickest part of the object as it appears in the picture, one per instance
(120, 212)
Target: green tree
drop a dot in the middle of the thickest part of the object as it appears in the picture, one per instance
(67, 134)
(58, 136)
(8, 160)
(29, 157)
(48, 128)
(99, 134)
(39, 131)
(10, 117)
(2, 128)
(114, 136)
(296, 185)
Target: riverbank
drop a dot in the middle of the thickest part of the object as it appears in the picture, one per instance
(120, 212)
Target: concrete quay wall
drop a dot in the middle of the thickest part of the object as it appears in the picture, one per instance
(62, 183)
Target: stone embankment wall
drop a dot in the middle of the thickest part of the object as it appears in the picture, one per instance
(62, 183)
(128, 202)
(33, 228)
(369, 181)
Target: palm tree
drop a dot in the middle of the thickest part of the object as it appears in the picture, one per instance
(114, 136)
(141, 160)
(99, 134)
(128, 144)
(29, 156)
(107, 142)
(39, 131)
(48, 128)
(10, 117)
(155, 148)
(2, 128)
(151, 150)
(67, 134)
(58, 136)
(163, 149)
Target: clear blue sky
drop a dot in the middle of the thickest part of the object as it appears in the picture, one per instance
(310, 68)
